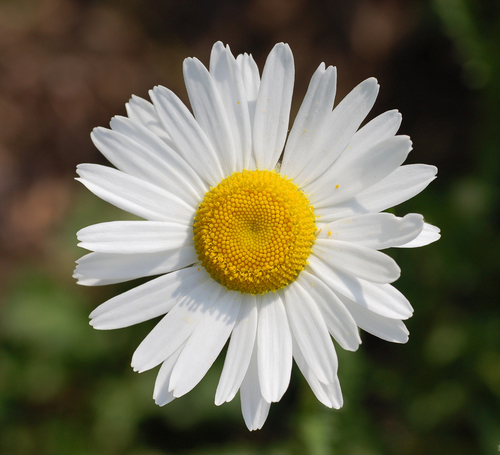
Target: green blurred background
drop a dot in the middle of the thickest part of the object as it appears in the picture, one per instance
(69, 65)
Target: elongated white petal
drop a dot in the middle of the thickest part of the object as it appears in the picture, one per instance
(206, 343)
(382, 127)
(179, 172)
(356, 260)
(161, 394)
(309, 376)
(311, 121)
(143, 112)
(339, 129)
(334, 392)
(136, 151)
(387, 329)
(177, 325)
(250, 75)
(129, 156)
(129, 237)
(338, 320)
(354, 172)
(328, 394)
(309, 330)
(190, 140)
(134, 195)
(274, 343)
(239, 351)
(375, 230)
(118, 268)
(253, 406)
(382, 299)
(379, 129)
(210, 113)
(227, 77)
(251, 81)
(428, 235)
(85, 281)
(404, 183)
(272, 110)
(147, 301)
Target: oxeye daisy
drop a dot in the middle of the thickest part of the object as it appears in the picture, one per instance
(265, 242)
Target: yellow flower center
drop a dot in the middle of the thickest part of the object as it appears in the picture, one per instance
(254, 231)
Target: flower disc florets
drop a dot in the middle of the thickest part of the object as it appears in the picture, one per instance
(254, 231)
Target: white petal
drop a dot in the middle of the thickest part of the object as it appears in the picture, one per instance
(210, 113)
(272, 110)
(189, 139)
(129, 156)
(309, 330)
(375, 230)
(328, 394)
(428, 235)
(140, 160)
(147, 301)
(176, 327)
(206, 343)
(239, 350)
(134, 195)
(274, 343)
(142, 111)
(253, 406)
(227, 77)
(117, 268)
(404, 183)
(311, 121)
(387, 329)
(251, 81)
(338, 131)
(129, 237)
(161, 394)
(382, 299)
(309, 376)
(358, 169)
(357, 260)
(377, 130)
(338, 320)
(180, 173)
(250, 75)
(85, 281)
(334, 392)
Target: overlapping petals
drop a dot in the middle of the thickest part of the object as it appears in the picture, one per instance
(167, 158)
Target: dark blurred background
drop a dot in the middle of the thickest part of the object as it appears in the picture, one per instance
(68, 65)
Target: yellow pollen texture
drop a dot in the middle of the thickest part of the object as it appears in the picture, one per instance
(254, 231)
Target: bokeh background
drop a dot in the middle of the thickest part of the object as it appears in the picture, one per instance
(69, 65)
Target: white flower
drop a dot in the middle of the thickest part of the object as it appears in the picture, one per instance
(225, 223)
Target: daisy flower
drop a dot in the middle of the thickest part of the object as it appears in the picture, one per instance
(268, 241)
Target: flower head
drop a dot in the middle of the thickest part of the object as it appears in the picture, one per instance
(268, 241)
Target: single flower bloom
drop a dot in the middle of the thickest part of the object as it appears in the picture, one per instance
(268, 241)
